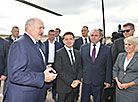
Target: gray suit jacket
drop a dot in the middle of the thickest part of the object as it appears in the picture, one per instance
(66, 73)
(131, 73)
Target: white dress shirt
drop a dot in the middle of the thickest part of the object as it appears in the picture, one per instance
(126, 63)
(51, 52)
(84, 40)
(97, 49)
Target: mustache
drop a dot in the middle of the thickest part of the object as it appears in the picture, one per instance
(41, 34)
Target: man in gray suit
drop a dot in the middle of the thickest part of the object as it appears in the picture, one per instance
(97, 67)
(27, 71)
(68, 66)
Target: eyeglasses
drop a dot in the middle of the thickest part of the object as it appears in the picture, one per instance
(126, 30)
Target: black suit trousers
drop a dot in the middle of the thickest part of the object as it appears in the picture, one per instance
(66, 97)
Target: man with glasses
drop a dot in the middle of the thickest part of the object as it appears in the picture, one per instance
(118, 46)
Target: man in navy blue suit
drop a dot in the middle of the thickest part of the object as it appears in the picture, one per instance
(51, 46)
(82, 40)
(4, 46)
(97, 67)
(27, 71)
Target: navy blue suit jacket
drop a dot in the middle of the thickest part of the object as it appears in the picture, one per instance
(4, 47)
(25, 81)
(100, 71)
(78, 42)
(57, 46)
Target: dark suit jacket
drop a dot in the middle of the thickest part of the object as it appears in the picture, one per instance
(66, 73)
(4, 47)
(100, 71)
(46, 43)
(25, 81)
(117, 48)
(60, 39)
(9, 39)
(78, 42)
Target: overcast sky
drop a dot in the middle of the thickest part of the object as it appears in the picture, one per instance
(76, 13)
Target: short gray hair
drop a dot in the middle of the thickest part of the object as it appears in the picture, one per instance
(29, 21)
(97, 31)
(132, 40)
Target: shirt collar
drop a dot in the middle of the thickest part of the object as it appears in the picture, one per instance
(12, 38)
(97, 45)
(31, 38)
(84, 38)
(68, 48)
(50, 42)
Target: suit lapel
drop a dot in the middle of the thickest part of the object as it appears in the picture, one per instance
(81, 41)
(123, 60)
(88, 52)
(72, 67)
(133, 60)
(33, 46)
(75, 55)
(100, 52)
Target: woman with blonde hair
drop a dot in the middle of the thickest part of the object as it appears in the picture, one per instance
(125, 72)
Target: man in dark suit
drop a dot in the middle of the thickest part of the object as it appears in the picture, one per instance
(68, 66)
(97, 67)
(118, 46)
(27, 71)
(58, 38)
(51, 46)
(4, 46)
(82, 40)
(14, 36)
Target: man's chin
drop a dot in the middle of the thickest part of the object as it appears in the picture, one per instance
(40, 38)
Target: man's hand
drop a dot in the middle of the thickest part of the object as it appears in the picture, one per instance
(75, 83)
(50, 74)
(106, 84)
(3, 77)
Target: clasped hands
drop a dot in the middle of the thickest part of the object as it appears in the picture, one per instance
(50, 74)
(122, 86)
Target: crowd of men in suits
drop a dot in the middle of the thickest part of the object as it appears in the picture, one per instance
(61, 63)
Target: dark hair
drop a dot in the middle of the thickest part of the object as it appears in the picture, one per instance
(51, 30)
(85, 27)
(68, 33)
(15, 27)
(58, 29)
(129, 24)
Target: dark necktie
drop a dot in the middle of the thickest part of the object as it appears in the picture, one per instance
(85, 40)
(56, 39)
(93, 53)
(71, 57)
